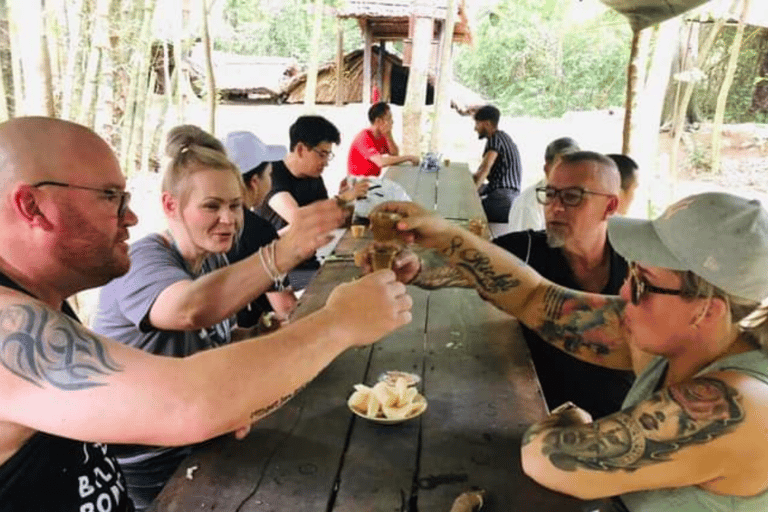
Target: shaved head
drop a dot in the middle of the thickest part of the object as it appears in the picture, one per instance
(60, 187)
(40, 148)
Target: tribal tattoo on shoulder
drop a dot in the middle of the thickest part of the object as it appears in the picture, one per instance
(690, 413)
(579, 320)
(43, 348)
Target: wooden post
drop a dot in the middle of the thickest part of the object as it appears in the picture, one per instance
(725, 89)
(339, 63)
(442, 96)
(210, 76)
(380, 70)
(417, 77)
(630, 97)
(366, 99)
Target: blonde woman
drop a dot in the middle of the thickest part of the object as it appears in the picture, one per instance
(180, 295)
(690, 321)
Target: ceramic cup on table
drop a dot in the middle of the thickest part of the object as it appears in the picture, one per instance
(358, 230)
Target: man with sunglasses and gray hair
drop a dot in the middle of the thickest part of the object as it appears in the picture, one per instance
(573, 251)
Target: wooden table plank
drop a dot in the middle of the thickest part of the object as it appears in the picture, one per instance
(420, 186)
(457, 196)
(379, 466)
(482, 392)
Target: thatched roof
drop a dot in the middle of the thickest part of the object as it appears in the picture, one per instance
(388, 19)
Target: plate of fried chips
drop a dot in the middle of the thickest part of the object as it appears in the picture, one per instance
(386, 403)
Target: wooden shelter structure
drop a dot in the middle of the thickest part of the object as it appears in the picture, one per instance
(395, 74)
(384, 21)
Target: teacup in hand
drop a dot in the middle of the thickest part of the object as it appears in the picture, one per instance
(383, 225)
(383, 257)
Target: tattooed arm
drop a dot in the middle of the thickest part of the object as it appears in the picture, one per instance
(59, 377)
(587, 326)
(687, 434)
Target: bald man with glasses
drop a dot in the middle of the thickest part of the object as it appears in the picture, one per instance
(573, 251)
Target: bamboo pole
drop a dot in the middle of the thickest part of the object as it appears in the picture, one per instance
(74, 21)
(210, 77)
(310, 91)
(366, 63)
(4, 114)
(442, 96)
(29, 15)
(15, 43)
(725, 89)
(147, 132)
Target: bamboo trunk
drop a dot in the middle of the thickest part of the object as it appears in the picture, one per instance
(29, 15)
(339, 63)
(725, 89)
(75, 13)
(105, 92)
(147, 132)
(15, 43)
(4, 115)
(210, 77)
(88, 105)
(629, 101)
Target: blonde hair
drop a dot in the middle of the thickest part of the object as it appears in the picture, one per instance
(190, 149)
(750, 316)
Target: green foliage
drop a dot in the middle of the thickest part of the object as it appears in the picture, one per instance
(282, 29)
(530, 61)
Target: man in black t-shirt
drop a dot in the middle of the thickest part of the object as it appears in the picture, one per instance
(297, 181)
(573, 251)
(500, 166)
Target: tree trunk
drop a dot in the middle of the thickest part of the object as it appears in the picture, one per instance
(726, 87)
(310, 92)
(4, 115)
(96, 55)
(210, 78)
(339, 63)
(15, 43)
(416, 92)
(442, 91)
(147, 131)
(105, 92)
(75, 14)
(629, 100)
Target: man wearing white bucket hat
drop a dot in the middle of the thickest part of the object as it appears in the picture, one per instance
(690, 320)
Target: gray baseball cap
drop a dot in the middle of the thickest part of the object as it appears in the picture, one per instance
(720, 237)
(247, 151)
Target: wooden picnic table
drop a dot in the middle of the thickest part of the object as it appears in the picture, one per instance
(313, 454)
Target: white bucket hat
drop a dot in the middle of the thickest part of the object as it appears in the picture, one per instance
(247, 151)
(720, 237)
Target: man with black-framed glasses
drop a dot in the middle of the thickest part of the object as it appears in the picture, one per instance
(573, 251)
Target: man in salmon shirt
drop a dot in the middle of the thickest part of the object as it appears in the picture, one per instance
(374, 147)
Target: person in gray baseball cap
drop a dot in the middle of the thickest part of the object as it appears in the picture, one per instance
(690, 320)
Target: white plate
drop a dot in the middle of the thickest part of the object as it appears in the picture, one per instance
(391, 376)
(391, 421)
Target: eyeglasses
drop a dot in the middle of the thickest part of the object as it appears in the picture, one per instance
(325, 155)
(638, 286)
(571, 196)
(122, 196)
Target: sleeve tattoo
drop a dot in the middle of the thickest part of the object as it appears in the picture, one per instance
(579, 320)
(690, 413)
(43, 347)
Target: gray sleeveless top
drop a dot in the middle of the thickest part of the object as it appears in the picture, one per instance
(692, 498)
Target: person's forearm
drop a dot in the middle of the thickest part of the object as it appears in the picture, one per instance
(393, 149)
(212, 297)
(256, 382)
(394, 159)
(436, 273)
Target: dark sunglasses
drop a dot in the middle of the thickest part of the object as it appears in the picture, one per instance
(122, 196)
(639, 287)
(571, 196)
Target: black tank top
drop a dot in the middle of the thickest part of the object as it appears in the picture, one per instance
(51, 473)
